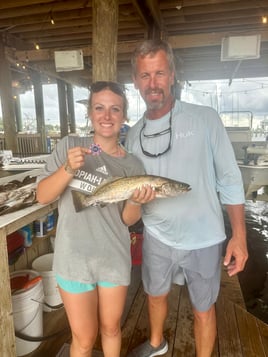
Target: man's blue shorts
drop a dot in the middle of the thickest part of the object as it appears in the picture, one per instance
(163, 265)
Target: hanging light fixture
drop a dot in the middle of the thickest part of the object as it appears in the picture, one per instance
(52, 19)
(179, 6)
(264, 19)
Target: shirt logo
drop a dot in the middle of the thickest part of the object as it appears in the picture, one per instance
(102, 169)
(184, 135)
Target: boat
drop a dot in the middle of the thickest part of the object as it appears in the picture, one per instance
(251, 155)
(255, 179)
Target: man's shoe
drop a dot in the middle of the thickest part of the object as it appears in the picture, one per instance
(147, 350)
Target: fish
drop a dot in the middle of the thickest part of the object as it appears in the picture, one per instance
(121, 188)
(16, 195)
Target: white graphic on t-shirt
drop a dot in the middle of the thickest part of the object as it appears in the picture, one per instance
(102, 169)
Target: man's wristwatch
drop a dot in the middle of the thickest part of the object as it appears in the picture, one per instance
(68, 169)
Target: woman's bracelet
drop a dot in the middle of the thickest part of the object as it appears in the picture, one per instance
(134, 203)
(68, 169)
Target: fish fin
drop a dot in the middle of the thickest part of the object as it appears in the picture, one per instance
(78, 200)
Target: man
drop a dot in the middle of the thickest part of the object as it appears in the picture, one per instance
(183, 236)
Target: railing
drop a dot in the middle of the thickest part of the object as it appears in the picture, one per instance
(30, 144)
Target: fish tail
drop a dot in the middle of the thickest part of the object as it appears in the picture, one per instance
(78, 200)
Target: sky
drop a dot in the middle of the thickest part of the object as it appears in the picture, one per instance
(241, 95)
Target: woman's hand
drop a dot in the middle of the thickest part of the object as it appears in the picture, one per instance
(76, 158)
(51, 187)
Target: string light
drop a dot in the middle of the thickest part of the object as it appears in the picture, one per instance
(260, 86)
(37, 47)
(52, 19)
(264, 19)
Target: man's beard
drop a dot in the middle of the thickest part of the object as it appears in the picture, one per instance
(154, 104)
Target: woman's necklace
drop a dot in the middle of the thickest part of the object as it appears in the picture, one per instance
(117, 152)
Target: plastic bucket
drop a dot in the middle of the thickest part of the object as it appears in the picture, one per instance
(43, 265)
(28, 312)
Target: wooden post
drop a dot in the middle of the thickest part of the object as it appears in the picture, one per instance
(9, 119)
(7, 337)
(70, 104)
(104, 42)
(62, 107)
(39, 110)
(18, 113)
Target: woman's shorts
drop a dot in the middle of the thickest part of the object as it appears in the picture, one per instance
(201, 269)
(77, 287)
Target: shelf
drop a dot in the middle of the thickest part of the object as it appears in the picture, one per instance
(13, 221)
(10, 223)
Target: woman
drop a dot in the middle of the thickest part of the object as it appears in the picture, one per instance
(92, 250)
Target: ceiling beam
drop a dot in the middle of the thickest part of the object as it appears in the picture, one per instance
(178, 41)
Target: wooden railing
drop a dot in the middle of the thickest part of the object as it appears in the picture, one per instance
(30, 144)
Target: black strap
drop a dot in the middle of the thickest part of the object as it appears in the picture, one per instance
(41, 338)
(47, 337)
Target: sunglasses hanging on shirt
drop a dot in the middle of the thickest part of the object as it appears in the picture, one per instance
(155, 135)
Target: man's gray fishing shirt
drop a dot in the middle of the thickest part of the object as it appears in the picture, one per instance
(201, 155)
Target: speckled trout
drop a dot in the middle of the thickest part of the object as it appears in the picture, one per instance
(122, 188)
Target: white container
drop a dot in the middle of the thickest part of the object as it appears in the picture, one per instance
(27, 308)
(40, 227)
(50, 221)
(43, 265)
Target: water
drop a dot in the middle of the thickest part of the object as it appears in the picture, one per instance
(254, 278)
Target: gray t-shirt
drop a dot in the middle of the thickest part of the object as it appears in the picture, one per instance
(93, 244)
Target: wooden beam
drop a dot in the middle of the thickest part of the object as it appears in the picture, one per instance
(44, 9)
(204, 7)
(8, 109)
(70, 106)
(39, 109)
(141, 12)
(104, 43)
(155, 12)
(177, 42)
(209, 39)
(62, 108)
(39, 20)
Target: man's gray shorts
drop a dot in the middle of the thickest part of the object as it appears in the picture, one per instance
(201, 269)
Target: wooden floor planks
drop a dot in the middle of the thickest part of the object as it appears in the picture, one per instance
(240, 334)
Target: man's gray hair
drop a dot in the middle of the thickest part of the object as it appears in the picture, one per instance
(151, 47)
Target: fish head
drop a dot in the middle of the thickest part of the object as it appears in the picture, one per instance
(173, 188)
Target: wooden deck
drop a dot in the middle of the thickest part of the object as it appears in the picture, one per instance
(240, 334)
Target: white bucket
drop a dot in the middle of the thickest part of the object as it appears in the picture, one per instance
(43, 265)
(28, 312)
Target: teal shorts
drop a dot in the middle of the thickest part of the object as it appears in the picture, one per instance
(77, 287)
